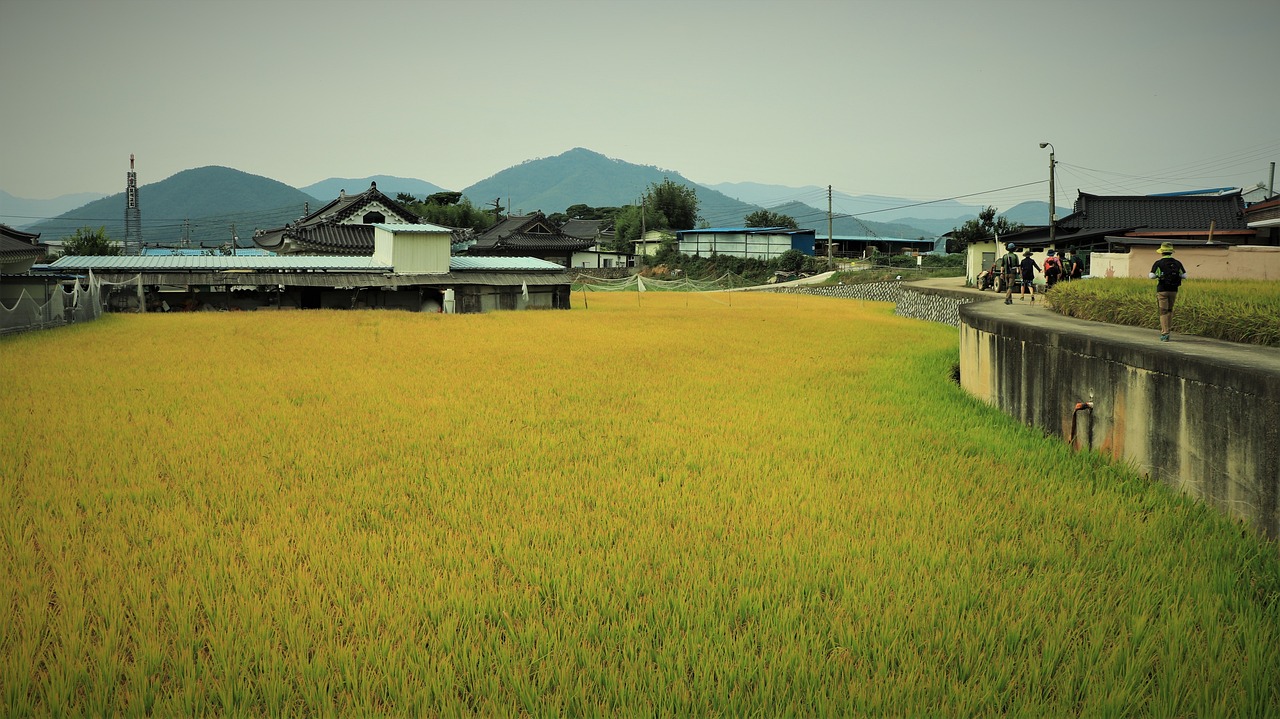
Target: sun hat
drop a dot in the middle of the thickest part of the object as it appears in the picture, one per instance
(1027, 253)
(1009, 247)
(1052, 252)
(1166, 248)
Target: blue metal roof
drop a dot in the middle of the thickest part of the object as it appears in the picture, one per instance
(739, 230)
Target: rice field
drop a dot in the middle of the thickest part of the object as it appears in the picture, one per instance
(664, 504)
(1233, 310)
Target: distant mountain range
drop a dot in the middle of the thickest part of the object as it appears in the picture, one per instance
(326, 190)
(20, 212)
(203, 205)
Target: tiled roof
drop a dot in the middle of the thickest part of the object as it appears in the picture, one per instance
(526, 233)
(1153, 213)
(324, 231)
(583, 229)
(16, 234)
(13, 250)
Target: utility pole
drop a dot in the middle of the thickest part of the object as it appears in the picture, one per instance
(233, 239)
(831, 239)
(1053, 205)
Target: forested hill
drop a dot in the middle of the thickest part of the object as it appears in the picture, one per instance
(212, 198)
(812, 218)
(580, 176)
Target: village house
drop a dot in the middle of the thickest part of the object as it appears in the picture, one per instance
(357, 252)
(763, 243)
(1119, 234)
(528, 236)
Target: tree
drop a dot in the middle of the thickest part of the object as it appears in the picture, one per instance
(405, 198)
(765, 218)
(986, 226)
(627, 225)
(677, 203)
(451, 209)
(90, 242)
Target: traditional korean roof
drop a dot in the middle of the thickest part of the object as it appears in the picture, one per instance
(1153, 213)
(583, 229)
(329, 230)
(18, 246)
(218, 263)
(522, 234)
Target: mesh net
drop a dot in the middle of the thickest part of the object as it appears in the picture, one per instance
(636, 283)
(66, 304)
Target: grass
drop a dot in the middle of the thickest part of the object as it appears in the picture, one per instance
(686, 504)
(1234, 310)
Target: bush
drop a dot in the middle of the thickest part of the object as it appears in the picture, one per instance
(1234, 310)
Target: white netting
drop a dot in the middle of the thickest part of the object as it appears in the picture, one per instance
(636, 283)
(65, 305)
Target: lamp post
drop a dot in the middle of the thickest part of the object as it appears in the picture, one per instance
(1053, 207)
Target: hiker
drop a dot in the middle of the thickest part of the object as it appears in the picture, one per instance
(1052, 269)
(1029, 267)
(1075, 266)
(1168, 274)
(1008, 271)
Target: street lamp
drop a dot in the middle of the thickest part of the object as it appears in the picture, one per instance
(1053, 207)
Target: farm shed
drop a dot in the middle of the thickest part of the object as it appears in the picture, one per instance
(410, 269)
(764, 243)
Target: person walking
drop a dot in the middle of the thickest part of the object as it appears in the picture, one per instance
(1052, 269)
(1075, 266)
(1168, 274)
(1008, 271)
(1029, 267)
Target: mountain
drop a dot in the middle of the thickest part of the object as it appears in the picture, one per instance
(327, 190)
(811, 218)
(213, 199)
(881, 208)
(1033, 212)
(20, 213)
(580, 176)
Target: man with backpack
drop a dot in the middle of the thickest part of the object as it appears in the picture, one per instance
(1010, 268)
(1075, 266)
(1052, 269)
(1168, 274)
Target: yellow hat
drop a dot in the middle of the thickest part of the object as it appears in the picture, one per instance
(1166, 248)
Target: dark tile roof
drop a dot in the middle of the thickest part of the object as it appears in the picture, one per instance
(1152, 213)
(583, 229)
(526, 233)
(325, 230)
(15, 250)
(15, 234)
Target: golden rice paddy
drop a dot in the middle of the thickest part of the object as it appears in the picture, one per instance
(675, 504)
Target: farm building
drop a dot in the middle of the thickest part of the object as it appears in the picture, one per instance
(764, 243)
(410, 268)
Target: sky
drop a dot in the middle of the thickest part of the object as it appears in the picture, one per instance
(922, 99)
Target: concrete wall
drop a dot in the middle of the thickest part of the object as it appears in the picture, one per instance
(1197, 415)
(1243, 262)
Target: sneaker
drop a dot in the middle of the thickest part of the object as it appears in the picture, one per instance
(1033, 299)
(1164, 337)
(1008, 302)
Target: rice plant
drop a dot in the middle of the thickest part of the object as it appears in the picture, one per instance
(678, 504)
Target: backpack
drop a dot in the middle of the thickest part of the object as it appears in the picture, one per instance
(1010, 262)
(1052, 263)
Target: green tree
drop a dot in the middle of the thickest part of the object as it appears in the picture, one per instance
(627, 225)
(451, 209)
(765, 218)
(986, 226)
(87, 241)
(678, 204)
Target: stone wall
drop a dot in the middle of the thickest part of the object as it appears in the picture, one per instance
(1196, 414)
(913, 301)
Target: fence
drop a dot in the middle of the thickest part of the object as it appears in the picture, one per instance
(66, 305)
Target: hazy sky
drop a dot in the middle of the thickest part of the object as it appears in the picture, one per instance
(915, 98)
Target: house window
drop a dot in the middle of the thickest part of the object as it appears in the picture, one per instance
(373, 218)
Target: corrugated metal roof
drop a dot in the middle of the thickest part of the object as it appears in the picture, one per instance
(218, 263)
(498, 264)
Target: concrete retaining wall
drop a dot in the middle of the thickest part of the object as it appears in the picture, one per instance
(1196, 414)
(931, 304)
